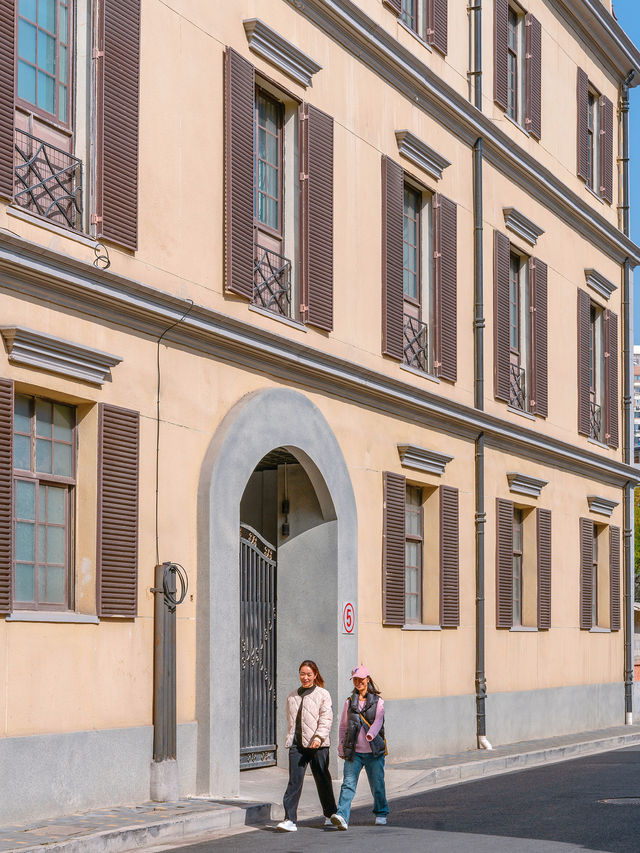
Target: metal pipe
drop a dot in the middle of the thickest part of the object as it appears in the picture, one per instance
(624, 159)
(628, 604)
(478, 319)
(477, 50)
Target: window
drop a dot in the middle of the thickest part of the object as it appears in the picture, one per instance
(595, 138)
(596, 371)
(594, 577)
(410, 14)
(44, 480)
(598, 354)
(517, 566)
(519, 331)
(593, 144)
(518, 65)
(514, 64)
(414, 536)
(599, 576)
(417, 273)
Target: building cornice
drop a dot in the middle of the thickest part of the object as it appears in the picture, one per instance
(523, 484)
(33, 271)
(350, 27)
(420, 154)
(522, 225)
(421, 459)
(599, 283)
(271, 46)
(601, 505)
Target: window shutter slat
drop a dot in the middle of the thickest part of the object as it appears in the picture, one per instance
(392, 286)
(393, 533)
(239, 118)
(118, 102)
(533, 76)
(504, 563)
(449, 558)
(584, 335)
(7, 106)
(6, 492)
(118, 470)
(583, 118)
(501, 251)
(317, 215)
(538, 280)
(614, 576)
(446, 260)
(606, 149)
(501, 35)
(439, 37)
(611, 377)
(586, 568)
(543, 534)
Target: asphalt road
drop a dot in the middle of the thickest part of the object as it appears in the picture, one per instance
(552, 809)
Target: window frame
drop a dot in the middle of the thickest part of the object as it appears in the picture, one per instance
(418, 540)
(421, 308)
(521, 356)
(596, 362)
(276, 233)
(410, 190)
(518, 565)
(46, 479)
(593, 140)
(594, 576)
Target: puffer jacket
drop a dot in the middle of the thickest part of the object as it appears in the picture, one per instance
(317, 716)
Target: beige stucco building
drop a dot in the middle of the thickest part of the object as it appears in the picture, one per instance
(356, 275)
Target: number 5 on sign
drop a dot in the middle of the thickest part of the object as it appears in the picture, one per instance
(348, 617)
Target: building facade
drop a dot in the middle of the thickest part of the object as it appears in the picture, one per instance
(330, 305)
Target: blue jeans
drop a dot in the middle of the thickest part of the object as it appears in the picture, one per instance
(374, 768)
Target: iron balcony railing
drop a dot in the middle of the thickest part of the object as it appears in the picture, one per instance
(47, 180)
(272, 281)
(416, 343)
(518, 387)
(595, 420)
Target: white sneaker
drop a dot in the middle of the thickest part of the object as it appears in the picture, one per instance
(381, 820)
(287, 826)
(339, 822)
(327, 821)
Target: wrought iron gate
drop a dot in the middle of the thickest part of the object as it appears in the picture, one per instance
(257, 650)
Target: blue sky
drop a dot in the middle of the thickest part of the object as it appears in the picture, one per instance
(627, 13)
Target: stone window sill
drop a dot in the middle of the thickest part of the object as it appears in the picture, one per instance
(43, 222)
(598, 629)
(417, 372)
(417, 627)
(52, 616)
(278, 318)
(522, 414)
(520, 628)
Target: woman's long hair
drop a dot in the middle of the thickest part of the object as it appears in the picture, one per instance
(371, 688)
(313, 666)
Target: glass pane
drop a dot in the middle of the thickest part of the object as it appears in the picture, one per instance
(22, 452)
(28, 9)
(46, 53)
(43, 456)
(25, 586)
(272, 181)
(62, 64)
(43, 418)
(42, 503)
(46, 92)
(64, 24)
(411, 553)
(25, 541)
(411, 608)
(56, 505)
(25, 500)
(63, 422)
(55, 545)
(62, 103)
(261, 212)
(62, 460)
(272, 149)
(26, 41)
(55, 585)
(262, 144)
(260, 178)
(42, 542)
(47, 14)
(26, 82)
(22, 414)
(272, 213)
(413, 523)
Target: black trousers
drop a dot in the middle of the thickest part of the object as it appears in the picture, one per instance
(299, 757)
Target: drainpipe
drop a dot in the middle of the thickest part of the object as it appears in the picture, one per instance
(478, 397)
(475, 9)
(627, 435)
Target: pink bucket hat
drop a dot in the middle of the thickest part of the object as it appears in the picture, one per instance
(360, 672)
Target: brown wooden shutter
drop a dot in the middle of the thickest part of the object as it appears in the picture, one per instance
(614, 576)
(501, 36)
(504, 563)
(538, 282)
(439, 37)
(543, 536)
(7, 89)
(392, 281)
(446, 274)
(611, 403)
(533, 76)
(501, 254)
(118, 463)
(317, 217)
(583, 119)
(606, 149)
(394, 6)
(239, 118)
(584, 336)
(449, 558)
(6, 493)
(586, 569)
(118, 82)
(393, 538)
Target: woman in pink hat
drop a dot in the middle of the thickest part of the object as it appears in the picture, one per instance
(362, 744)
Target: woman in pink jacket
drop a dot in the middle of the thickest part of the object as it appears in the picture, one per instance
(309, 718)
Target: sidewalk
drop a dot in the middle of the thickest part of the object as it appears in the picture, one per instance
(154, 824)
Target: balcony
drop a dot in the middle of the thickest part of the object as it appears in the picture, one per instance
(47, 181)
(595, 420)
(272, 282)
(517, 387)
(416, 343)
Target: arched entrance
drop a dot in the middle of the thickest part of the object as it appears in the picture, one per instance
(317, 566)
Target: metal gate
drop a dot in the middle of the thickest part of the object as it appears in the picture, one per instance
(257, 650)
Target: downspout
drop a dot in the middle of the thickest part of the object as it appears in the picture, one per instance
(478, 397)
(627, 433)
(475, 9)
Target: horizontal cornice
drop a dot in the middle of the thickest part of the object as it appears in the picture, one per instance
(30, 271)
(348, 25)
